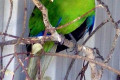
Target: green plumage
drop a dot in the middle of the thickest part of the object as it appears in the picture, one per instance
(67, 9)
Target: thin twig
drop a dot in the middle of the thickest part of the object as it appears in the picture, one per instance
(24, 22)
(4, 70)
(115, 38)
(29, 40)
(3, 39)
(21, 63)
(44, 11)
(82, 72)
(19, 66)
(98, 27)
(73, 60)
(113, 46)
(84, 58)
(9, 19)
(108, 12)
(78, 18)
(19, 40)
(10, 16)
(12, 54)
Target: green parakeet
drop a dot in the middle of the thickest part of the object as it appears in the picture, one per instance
(62, 12)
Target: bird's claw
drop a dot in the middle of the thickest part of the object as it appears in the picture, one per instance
(75, 44)
(98, 53)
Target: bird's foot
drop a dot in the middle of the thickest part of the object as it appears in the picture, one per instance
(75, 44)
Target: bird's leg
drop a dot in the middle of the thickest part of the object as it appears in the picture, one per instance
(75, 43)
(72, 62)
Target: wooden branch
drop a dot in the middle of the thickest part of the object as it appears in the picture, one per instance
(75, 57)
(4, 70)
(84, 58)
(78, 18)
(98, 27)
(19, 41)
(113, 46)
(108, 12)
(44, 11)
(10, 16)
(21, 64)
(16, 68)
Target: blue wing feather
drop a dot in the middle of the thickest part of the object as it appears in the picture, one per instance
(89, 24)
(59, 22)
